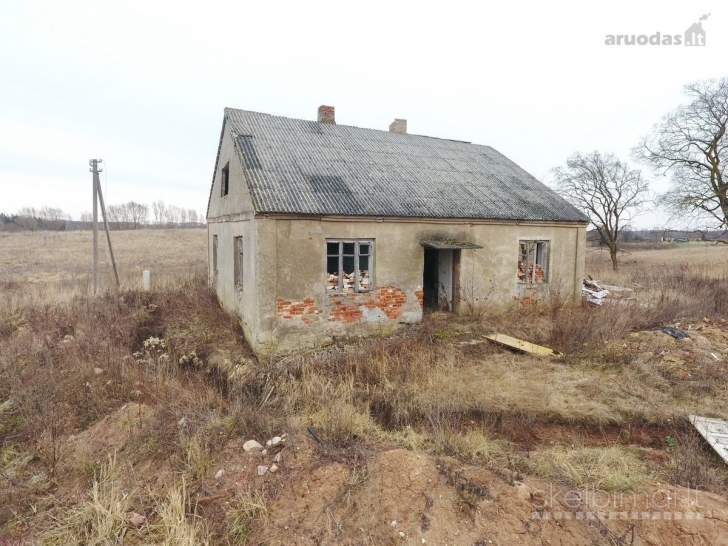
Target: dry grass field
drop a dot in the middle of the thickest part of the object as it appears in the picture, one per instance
(123, 415)
(49, 264)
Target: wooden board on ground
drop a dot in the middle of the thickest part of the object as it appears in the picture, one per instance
(520, 345)
(715, 431)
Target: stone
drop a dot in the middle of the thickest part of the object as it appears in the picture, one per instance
(137, 519)
(252, 445)
(262, 470)
(264, 452)
(275, 440)
(220, 474)
(273, 468)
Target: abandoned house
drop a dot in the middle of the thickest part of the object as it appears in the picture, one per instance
(318, 230)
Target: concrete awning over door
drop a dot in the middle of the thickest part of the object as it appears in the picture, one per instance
(441, 244)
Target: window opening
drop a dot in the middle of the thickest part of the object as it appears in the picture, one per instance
(533, 261)
(349, 265)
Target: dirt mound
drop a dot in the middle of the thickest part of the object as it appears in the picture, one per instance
(392, 496)
(386, 495)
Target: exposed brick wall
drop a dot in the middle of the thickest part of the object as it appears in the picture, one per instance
(527, 298)
(420, 295)
(347, 307)
(289, 309)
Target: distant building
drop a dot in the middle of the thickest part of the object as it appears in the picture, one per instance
(318, 230)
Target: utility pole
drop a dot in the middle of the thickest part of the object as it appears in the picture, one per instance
(95, 221)
(98, 197)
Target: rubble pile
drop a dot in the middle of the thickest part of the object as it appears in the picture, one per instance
(273, 447)
(348, 282)
(540, 277)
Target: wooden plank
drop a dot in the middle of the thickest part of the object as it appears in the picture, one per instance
(715, 432)
(520, 345)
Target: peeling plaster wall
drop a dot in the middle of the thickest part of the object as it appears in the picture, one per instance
(295, 313)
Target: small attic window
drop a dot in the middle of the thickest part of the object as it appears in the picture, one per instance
(225, 179)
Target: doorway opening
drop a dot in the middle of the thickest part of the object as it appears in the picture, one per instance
(441, 279)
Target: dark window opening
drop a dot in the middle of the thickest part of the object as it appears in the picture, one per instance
(214, 254)
(239, 262)
(225, 179)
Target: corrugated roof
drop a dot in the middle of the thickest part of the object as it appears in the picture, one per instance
(304, 167)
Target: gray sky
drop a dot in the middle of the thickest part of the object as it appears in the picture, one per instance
(143, 84)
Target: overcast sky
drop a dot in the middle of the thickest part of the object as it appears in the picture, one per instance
(143, 84)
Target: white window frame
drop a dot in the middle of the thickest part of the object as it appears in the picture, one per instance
(340, 276)
(541, 259)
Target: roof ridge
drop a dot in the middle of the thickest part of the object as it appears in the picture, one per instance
(355, 127)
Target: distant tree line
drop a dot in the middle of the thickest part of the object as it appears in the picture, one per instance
(32, 219)
(131, 215)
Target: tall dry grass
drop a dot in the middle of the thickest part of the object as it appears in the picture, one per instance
(435, 386)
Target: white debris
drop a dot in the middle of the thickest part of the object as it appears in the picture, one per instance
(262, 470)
(273, 468)
(593, 292)
(219, 473)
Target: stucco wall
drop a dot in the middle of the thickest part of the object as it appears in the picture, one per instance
(296, 313)
(228, 217)
(238, 200)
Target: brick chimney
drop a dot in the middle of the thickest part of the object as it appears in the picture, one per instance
(326, 115)
(398, 126)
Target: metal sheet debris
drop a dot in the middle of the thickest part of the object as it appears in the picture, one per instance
(715, 431)
(520, 345)
(594, 293)
(674, 332)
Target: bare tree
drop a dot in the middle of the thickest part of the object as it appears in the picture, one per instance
(116, 215)
(606, 189)
(138, 214)
(27, 219)
(53, 218)
(159, 209)
(692, 145)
